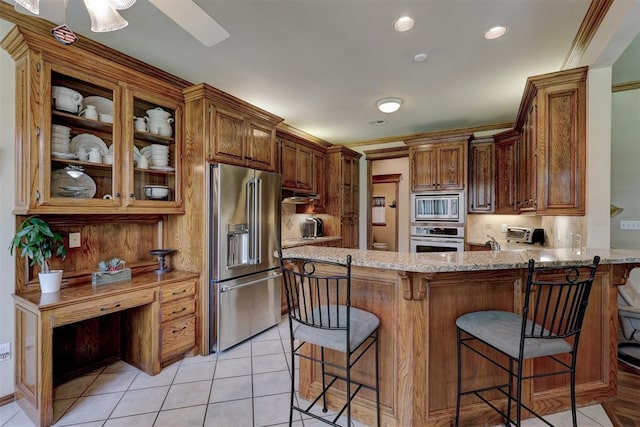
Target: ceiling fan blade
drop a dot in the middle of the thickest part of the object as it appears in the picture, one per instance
(193, 19)
(51, 10)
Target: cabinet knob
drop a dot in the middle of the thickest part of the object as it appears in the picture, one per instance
(132, 195)
(117, 194)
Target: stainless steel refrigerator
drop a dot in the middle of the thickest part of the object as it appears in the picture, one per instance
(245, 232)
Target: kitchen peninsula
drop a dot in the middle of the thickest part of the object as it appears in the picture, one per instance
(418, 297)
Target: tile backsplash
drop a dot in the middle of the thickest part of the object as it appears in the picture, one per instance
(560, 231)
(291, 222)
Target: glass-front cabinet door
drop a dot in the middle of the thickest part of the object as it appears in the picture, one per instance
(80, 141)
(153, 125)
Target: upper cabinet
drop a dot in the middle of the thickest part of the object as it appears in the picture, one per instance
(481, 176)
(302, 164)
(93, 136)
(552, 144)
(506, 158)
(234, 131)
(438, 164)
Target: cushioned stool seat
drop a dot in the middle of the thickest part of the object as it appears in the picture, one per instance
(555, 301)
(320, 315)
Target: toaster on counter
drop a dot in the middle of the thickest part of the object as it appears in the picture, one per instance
(525, 235)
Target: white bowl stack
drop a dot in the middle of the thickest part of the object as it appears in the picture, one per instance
(60, 138)
(157, 154)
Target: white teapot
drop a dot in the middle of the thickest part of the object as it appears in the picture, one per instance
(159, 122)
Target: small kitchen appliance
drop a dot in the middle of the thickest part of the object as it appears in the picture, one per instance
(437, 207)
(525, 235)
(312, 227)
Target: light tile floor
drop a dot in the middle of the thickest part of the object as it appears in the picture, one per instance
(247, 385)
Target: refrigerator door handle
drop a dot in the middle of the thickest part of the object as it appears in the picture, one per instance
(251, 283)
(257, 237)
(251, 218)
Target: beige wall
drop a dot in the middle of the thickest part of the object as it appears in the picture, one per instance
(7, 179)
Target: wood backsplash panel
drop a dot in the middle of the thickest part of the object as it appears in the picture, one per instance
(101, 240)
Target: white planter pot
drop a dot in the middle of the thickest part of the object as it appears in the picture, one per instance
(50, 282)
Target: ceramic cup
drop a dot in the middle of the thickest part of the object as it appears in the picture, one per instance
(141, 124)
(143, 162)
(90, 112)
(106, 118)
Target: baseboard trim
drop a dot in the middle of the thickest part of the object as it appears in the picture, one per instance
(5, 400)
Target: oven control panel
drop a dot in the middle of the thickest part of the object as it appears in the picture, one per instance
(423, 230)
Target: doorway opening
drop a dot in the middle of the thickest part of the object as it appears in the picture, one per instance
(383, 233)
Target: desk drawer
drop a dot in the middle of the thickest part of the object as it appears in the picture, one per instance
(178, 336)
(177, 290)
(102, 306)
(175, 309)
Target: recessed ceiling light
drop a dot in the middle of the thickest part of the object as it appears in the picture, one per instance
(404, 23)
(389, 105)
(496, 32)
(420, 57)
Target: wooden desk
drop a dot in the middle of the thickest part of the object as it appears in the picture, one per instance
(159, 317)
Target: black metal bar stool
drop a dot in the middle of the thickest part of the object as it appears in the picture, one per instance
(555, 302)
(320, 313)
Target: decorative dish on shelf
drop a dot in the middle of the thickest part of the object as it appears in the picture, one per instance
(103, 105)
(162, 168)
(64, 156)
(64, 185)
(87, 140)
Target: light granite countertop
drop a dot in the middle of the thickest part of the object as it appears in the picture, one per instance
(464, 261)
(291, 243)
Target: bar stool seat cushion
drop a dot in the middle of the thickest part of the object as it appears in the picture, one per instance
(502, 329)
(363, 324)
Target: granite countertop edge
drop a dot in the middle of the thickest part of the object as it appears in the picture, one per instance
(465, 261)
(291, 243)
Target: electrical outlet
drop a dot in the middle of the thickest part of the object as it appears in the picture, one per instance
(5, 351)
(503, 228)
(629, 225)
(74, 240)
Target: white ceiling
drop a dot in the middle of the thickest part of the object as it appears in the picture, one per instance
(322, 64)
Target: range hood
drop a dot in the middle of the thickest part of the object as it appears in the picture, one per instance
(298, 198)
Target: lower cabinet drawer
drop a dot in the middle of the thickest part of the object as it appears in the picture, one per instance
(178, 336)
(175, 309)
(99, 307)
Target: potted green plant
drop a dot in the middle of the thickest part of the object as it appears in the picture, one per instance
(35, 240)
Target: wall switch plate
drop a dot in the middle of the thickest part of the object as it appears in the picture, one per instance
(503, 228)
(74, 240)
(629, 225)
(5, 351)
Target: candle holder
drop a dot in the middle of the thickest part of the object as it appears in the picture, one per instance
(161, 254)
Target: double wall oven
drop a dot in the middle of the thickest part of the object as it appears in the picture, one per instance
(437, 222)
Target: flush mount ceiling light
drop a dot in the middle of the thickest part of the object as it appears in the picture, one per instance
(496, 32)
(420, 57)
(404, 23)
(389, 105)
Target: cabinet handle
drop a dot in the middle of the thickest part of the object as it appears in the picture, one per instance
(37, 130)
(179, 311)
(175, 331)
(132, 195)
(179, 292)
(249, 158)
(109, 308)
(37, 195)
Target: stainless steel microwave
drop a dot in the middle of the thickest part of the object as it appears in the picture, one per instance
(437, 207)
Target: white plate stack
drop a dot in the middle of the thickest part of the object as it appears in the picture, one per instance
(60, 139)
(157, 154)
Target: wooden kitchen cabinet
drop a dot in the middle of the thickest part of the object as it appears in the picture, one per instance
(438, 164)
(237, 132)
(343, 193)
(482, 176)
(552, 144)
(297, 166)
(54, 174)
(178, 320)
(506, 172)
(302, 165)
